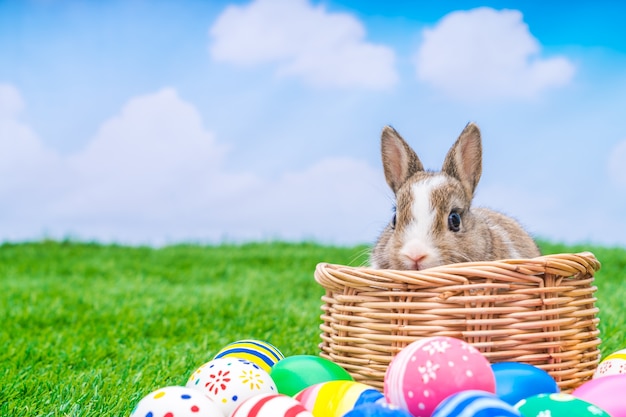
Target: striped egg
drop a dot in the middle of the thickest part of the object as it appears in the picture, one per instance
(176, 402)
(614, 364)
(336, 398)
(259, 352)
(271, 405)
(475, 403)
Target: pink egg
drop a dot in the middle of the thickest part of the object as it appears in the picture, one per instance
(606, 392)
(271, 405)
(428, 370)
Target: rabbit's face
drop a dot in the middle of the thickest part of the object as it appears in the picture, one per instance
(430, 222)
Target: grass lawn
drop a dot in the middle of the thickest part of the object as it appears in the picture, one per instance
(88, 330)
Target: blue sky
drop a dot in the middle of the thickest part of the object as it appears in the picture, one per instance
(163, 121)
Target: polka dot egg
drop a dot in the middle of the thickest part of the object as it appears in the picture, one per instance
(429, 370)
(230, 381)
(613, 364)
(176, 402)
(262, 353)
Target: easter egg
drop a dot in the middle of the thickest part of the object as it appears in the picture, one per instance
(295, 373)
(558, 405)
(475, 403)
(256, 351)
(271, 405)
(335, 398)
(230, 381)
(176, 402)
(429, 370)
(516, 381)
(377, 409)
(613, 364)
(608, 393)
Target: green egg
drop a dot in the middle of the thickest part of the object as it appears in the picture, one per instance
(558, 405)
(295, 373)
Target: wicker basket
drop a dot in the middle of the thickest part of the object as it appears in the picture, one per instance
(539, 311)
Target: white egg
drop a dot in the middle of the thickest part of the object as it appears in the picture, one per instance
(229, 381)
(176, 402)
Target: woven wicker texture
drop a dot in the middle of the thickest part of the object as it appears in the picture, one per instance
(539, 311)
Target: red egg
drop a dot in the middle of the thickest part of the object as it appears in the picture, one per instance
(271, 405)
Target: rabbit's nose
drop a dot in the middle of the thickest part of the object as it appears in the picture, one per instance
(414, 257)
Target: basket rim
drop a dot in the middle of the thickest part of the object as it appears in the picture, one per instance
(529, 270)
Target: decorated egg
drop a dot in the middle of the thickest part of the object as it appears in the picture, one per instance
(335, 398)
(608, 393)
(230, 381)
(613, 364)
(558, 405)
(176, 402)
(377, 409)
(516, 381)
(295, 373)
(429, 370)
(256, 351)
(475, 403)
(271, 405)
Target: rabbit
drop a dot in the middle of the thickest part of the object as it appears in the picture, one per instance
(434, 223)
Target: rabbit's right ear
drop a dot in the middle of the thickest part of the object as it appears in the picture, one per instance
(399, 161)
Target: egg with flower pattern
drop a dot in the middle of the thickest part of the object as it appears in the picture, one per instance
(230, 381)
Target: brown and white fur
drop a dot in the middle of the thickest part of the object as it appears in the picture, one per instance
(434, 222)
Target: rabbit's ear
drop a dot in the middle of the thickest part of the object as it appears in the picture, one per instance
(464, 159)
(399, 161)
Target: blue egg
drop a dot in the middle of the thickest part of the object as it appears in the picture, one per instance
(516, 381)
(475, 403)
(377, 409)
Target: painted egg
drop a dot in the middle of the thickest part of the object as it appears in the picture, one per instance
(256, 351)
(377, 409)
(558, 405)
(230, 381)
(476, 404)
(516, 381)
(295, 373)
(176, 402)
(608, 393)
(335, 398)
(271, 405)
(613, 364)
(429, 370)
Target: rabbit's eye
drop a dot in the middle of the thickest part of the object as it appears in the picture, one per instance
(454, 221)
(393, 219)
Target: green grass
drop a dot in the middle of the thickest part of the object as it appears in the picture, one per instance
(88, 330)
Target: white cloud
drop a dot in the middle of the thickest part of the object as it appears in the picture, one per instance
(487, 54)
(11, 102)
(617, 164)
(154, 174)
(24, 159)
(326, 49)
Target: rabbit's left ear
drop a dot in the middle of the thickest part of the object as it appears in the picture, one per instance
(464, 159)
(400, 161)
